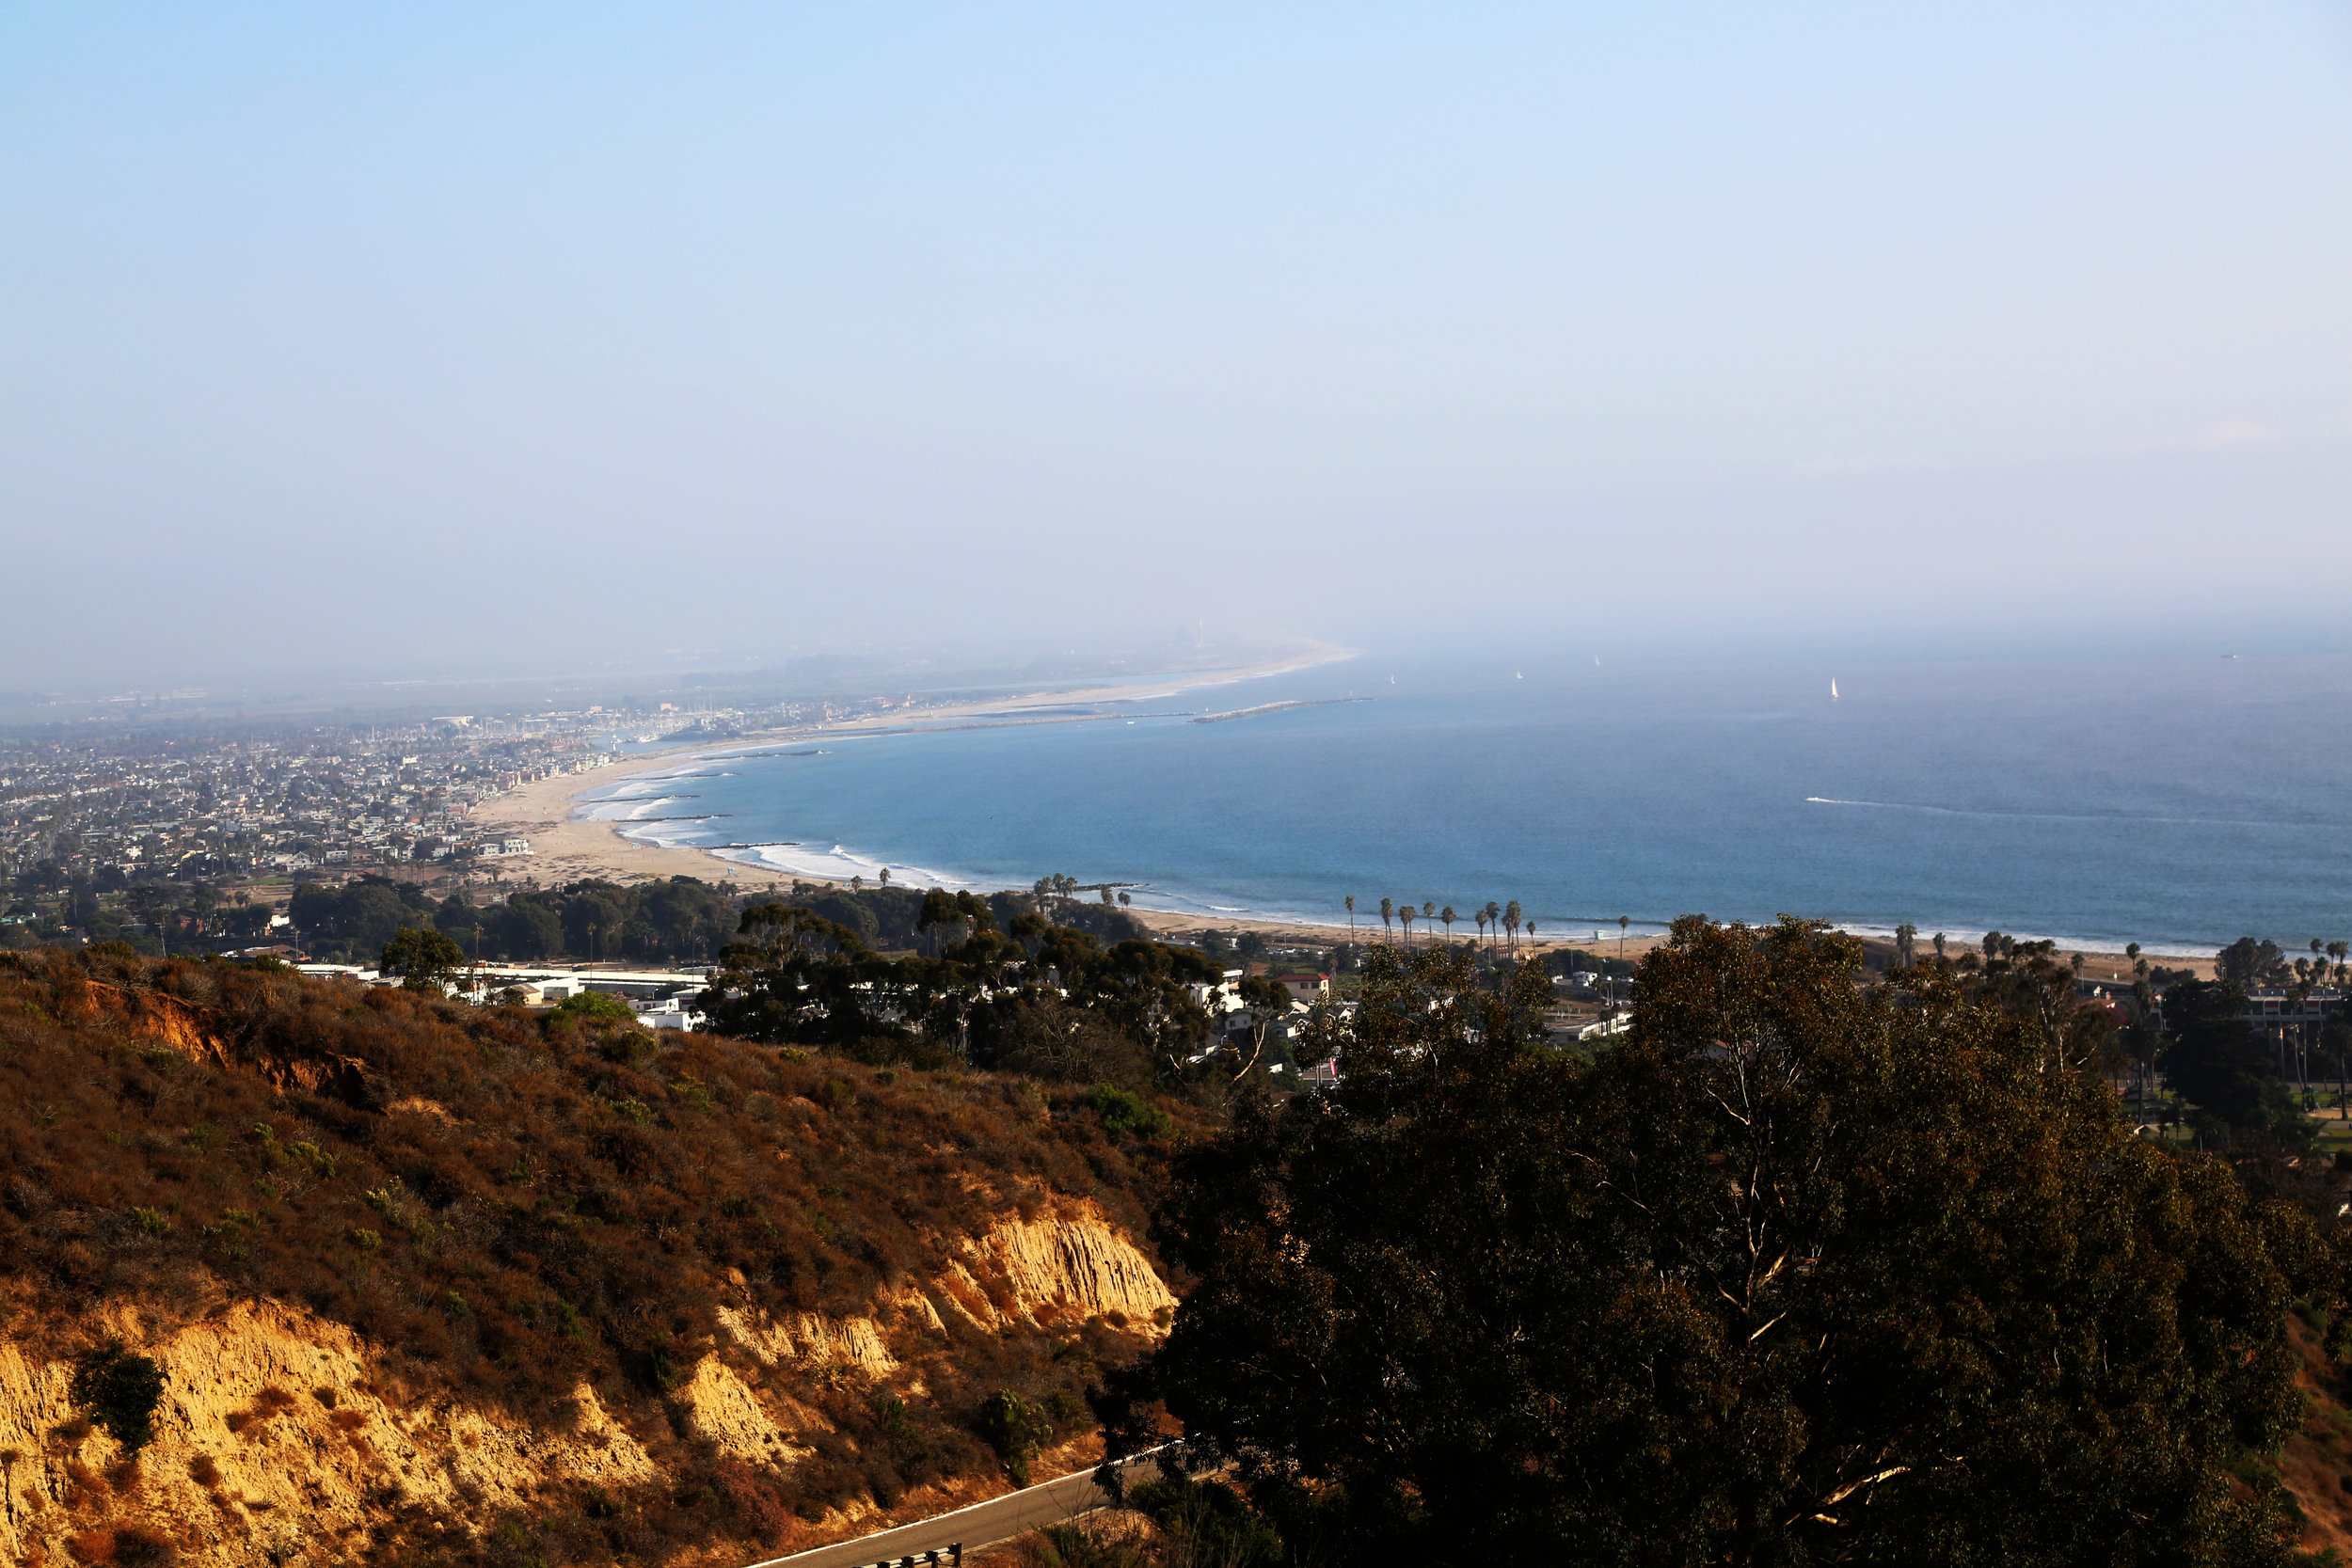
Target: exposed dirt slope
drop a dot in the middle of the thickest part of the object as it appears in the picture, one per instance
(431, 1283)
(2316, 1463)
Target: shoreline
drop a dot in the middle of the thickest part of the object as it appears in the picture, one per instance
(566, 847)
(573, 847)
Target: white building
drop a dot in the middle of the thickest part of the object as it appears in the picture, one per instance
(1223, 996)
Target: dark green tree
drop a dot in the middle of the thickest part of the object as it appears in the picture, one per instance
(1806, 1272)
(2212, 1057)
(2247, 963)
(425, 959)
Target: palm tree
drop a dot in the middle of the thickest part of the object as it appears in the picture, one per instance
(1905, 935)
(1494, 919)
(1939, 947)
(1387, 916)
(1531, 931)
(1351, 920)
(1446, 915)
(1511, 923)
(1482, 926)
(1407, 914)
(1623, 921)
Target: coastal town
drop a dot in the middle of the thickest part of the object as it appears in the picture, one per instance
(161, 841)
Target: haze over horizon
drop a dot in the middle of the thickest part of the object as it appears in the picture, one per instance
(425, 339)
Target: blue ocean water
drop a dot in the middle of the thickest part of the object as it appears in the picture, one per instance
(2177, 803)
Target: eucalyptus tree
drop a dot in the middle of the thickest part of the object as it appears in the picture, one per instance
(1804, 1272)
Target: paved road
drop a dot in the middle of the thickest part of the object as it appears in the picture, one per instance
(981, 1525)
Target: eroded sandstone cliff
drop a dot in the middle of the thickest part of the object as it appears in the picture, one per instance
(431, 1283)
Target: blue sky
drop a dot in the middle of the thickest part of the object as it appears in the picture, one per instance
(459, 338)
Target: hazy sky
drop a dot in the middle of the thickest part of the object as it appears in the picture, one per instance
(447, 337)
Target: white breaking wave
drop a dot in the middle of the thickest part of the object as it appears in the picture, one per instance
(626, 808)
(835, 864)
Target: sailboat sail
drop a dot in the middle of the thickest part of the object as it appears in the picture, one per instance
(1833, 689)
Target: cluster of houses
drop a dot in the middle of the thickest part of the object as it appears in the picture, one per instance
(654, 995)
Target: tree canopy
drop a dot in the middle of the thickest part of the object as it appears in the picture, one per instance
(424, 960)
(1044, 999)
(1806, 1271)
(2211, 1055)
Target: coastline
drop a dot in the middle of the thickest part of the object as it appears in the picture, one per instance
(566, 847)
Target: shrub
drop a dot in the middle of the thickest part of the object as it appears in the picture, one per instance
(140, 1545)
(592, 1007)
(205, 1471)
(1125, 1111)
(1211, 1520)
(1014, 1428)
(119, 1390)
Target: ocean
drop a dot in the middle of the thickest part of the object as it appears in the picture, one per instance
(2179, 803)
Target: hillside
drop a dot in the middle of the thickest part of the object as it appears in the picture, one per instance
(432, 1282)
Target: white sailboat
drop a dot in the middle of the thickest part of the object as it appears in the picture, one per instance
(1833, 689)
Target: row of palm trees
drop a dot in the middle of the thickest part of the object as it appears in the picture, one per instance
(1504, 921)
